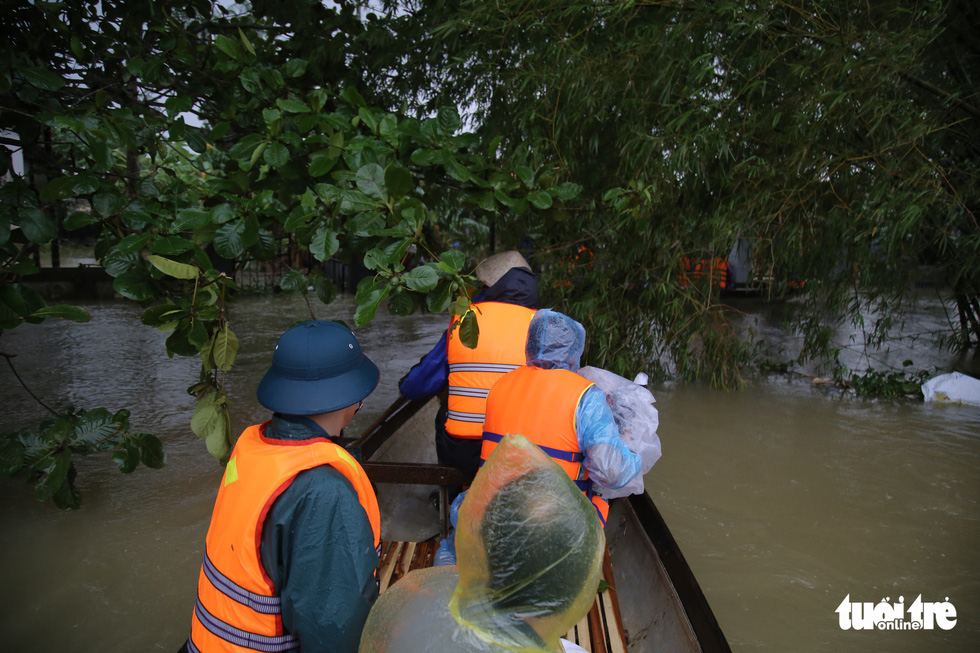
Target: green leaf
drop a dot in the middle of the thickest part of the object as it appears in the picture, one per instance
(421, 279)
(151, 451)
(43, 79)
(188, 219)
(298, 218)
(133, 243)
(134, 285)
(324, 244)
(127, 459)
(245, 41)
(179, 341)
(242, 150)
(55, 474)
(293, 106)
(486, 202)
(173, 268)
(365, 287)
(222, 213)
(469, 330)
(208, 418)
(448, 120)
(371, 181)
(218, 446)
(86, 184)
(225, 348)
(134, 217)
(116, 263)
(367, 309)
(64, 312)
(171, 245)
(256, 155)
(229, 47)
(17, 302)
(37, 227)
(401, 303)
(156, 316)
(375, 259)
(321, 164)
(197, 335)
(230, 240)
(540, 199)
(462, 305)
(396, 251)
(78, 220)
(293, 281)
(324, 288)
(454, 260)
(96, 430)
(525, 174)
(565, 191)
(295, 67)
(11, 454)
(399, 180)
(58, 188)
(352, 96)
(388, 129)
(439, 301)
(277, 155)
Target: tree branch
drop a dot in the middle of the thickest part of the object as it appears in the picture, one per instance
(946, 95)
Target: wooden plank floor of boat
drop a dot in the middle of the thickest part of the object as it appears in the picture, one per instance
(600, 631)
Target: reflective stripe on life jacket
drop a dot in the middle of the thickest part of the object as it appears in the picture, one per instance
(472, 372)
(237, 607)
(540, 404)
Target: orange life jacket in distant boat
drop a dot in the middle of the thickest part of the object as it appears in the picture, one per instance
(541, 404)
(237, 607)
(472, 372)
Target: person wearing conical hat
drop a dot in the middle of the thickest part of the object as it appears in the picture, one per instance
(292, 548)
(463, 375)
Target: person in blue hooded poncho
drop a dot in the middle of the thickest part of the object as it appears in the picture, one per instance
(563, 413)
(555, 343)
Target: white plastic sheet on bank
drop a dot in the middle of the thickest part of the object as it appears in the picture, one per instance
(637, 421)
(953, 388)
(529, 549)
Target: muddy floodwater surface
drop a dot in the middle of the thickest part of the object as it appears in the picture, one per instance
(785, 499)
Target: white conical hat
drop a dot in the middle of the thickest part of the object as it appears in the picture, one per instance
(491, 269)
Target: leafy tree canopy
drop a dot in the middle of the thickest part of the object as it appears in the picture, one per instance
(621, 144)
(195, 132)
(837, 143)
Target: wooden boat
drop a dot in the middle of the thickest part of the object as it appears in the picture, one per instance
(652, 603)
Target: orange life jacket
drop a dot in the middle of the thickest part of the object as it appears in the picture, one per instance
(472, 372)
(237, 607)
(540, 404)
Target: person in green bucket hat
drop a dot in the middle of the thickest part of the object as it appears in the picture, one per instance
(292, 548)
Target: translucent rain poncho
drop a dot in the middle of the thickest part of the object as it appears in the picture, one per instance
(636, 420)
(529, 560)
(556, 341)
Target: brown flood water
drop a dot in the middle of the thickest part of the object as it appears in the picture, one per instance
(783, 498)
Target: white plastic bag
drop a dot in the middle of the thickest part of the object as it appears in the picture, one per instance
(953, 388)
(636, 419)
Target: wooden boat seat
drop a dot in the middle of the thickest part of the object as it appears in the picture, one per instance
(600, 631)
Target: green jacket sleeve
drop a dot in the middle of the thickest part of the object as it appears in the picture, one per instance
(318, 548)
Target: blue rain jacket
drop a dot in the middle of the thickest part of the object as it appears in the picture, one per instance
(556, 341)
